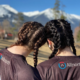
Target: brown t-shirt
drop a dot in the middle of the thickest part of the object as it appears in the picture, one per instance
(60, 68)
(15, 67)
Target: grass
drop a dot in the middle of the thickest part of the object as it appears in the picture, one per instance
(44, 51)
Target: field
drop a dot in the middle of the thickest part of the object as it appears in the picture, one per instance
(44, 51)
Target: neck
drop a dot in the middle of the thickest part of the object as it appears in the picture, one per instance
(65, 52)
(21, 50)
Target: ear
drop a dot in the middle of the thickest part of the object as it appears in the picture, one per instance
(49, 41)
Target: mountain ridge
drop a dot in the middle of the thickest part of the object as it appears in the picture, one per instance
(9, 13)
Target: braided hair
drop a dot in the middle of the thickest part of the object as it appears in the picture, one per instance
(31, 34)
(60, 33)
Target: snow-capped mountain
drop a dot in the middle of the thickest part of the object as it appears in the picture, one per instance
(7, 12)
(48, 14)
(10, 8)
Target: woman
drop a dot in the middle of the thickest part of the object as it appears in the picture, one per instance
(63, 64)
(13, 65)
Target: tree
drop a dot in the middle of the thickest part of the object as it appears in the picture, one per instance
(62, 15)
(56, 9)
(19, 18)
(0, 26)
(18, 21)
(14, 31)
(1, 32)
(78, 36)
(6, 25)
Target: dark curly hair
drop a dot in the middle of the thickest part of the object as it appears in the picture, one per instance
(31, 34)
(60, 33)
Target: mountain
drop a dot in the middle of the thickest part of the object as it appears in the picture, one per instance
(7, 12)
(48, 14)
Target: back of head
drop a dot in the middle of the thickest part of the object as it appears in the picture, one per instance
(60, 33)
(31, 34)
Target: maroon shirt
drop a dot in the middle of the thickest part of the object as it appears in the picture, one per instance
(60, 68)
(15, 67)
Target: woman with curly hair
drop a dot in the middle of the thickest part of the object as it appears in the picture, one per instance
(13, 65)
(63, 64)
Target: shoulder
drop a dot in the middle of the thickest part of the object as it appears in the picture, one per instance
(45, 69)
(29, 73)
(24, 71)
(2, 51)
(48, 63)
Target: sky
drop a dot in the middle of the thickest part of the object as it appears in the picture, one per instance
(71, 6)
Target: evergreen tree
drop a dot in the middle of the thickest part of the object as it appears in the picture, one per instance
(62, 15)
(19, 18)
(78, 36)
(56, 9)
(6, 25)
(18, 21)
